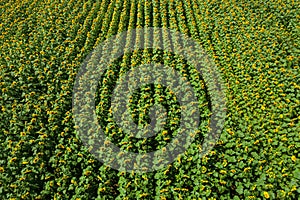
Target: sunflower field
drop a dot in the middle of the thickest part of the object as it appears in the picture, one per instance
(255, 45)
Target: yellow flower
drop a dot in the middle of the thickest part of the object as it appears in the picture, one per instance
(294, 158)
(35, 159)
(87, 173)
(281, 116)
(164, 132)
(13, 159)
(1, 169)
(247, 169)
(266, 195)
(223, 182)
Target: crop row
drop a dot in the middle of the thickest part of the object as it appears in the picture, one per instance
(255, 47)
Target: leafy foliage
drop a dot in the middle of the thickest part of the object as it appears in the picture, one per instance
(255, 45)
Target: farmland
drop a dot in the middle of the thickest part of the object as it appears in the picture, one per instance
(255, 47)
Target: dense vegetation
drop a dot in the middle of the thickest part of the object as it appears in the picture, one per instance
(255, 45)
